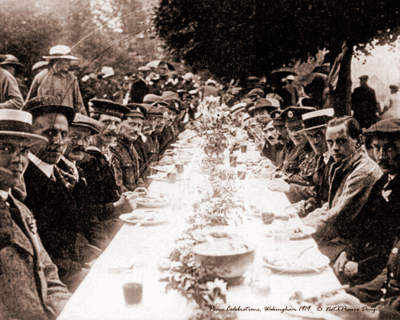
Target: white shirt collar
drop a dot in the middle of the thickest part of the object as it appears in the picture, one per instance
(46, 168)
(326, 157)
(4, 194)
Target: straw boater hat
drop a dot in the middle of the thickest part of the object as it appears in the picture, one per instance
(16, 123)
(317, 119)
(60, 52)
(48, 104)
(237, 108)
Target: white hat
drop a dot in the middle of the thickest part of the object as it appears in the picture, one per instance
(107, 72)
(188, 76)
(210, 81)
(60, 52)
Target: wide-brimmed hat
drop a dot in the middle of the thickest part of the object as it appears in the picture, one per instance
(111, 108)
(107, 72)
(11, 61)
(16, 123)
(144, 69)
(41, 105)
(87, 122)
(60, 52)
(39, 65)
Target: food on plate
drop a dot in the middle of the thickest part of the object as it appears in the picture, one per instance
(295, 263)
(267, 217)
(296, 232)
(226, 247)
(141, 217)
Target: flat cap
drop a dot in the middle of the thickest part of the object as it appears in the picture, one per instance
(391, 126)
(261, 103)
(81, 120)
(256, 91)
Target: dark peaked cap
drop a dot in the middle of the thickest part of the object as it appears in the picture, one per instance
(41, 105)
(102, 106)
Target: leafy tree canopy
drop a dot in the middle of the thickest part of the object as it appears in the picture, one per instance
(239, 38)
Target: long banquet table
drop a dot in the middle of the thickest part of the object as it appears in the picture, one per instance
(100, 295)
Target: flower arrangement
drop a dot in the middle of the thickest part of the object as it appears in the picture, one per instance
(218, 207)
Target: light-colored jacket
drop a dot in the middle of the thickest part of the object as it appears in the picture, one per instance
(350, 183)
(29, 283)
(10, 96)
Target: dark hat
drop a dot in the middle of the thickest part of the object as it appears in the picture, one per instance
(293, 115)
(261, 103)
(136, 110)
(274, 96)
(276, 117)
(11, 60)
(171, 98)
(317, 119)
(16, 123)
(388, 126)
(48, 104)
(87, 122)
(363, 77)
(102, 106)
(256, 91)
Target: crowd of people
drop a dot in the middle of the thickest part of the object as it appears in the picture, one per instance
(76, 153)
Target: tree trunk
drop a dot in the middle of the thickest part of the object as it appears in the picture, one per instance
(342, 94)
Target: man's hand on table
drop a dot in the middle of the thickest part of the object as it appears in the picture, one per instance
(315, 219)
(279, 186)
(127, 203)
(350, 302)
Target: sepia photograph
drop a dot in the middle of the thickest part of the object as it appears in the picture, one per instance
(199, 159)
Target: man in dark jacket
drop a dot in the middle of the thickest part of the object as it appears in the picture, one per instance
(30, 287)
(351, 179)
(366, 256)
(364, 104)
(140, 86)
(50, 196)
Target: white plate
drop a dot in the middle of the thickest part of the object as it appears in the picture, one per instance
(301, 266)
(165, 178)
(182, 146)
(139, 215)
(306, 232)
(142, 203)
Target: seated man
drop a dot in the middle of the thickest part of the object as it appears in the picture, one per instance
(272, 146)
(94, 211)
(49, 193)
(351, 179)
(366, 256)
(125, 158)
(383, 292)
(30, 287)
(310, 182)
(302, 150)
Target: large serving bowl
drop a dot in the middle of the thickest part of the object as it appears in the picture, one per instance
(233, 258)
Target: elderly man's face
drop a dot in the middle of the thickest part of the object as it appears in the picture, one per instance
(130, 128)
(62, 65)
(54, 127)
(13, 160)
(296, 134)
(79, 138)
(283, 134)
(109, 129)
(387, 154)
(316, 137)
(340, 144)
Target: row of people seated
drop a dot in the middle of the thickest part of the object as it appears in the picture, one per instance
(350, 199)
(65, 178)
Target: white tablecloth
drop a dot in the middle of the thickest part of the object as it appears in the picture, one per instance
(100, 295)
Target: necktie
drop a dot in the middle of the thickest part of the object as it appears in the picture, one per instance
(65, 178)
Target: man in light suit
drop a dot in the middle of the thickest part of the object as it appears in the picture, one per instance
(30, 287)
